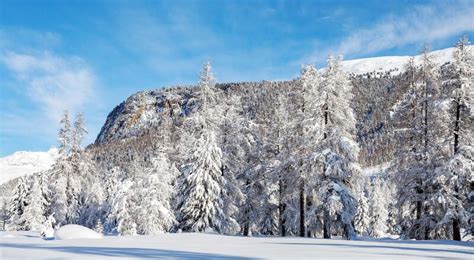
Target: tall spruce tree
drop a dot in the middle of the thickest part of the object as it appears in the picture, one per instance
(454, 180)
(337, 150)
(201, 205)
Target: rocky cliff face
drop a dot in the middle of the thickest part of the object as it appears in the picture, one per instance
(144, 109)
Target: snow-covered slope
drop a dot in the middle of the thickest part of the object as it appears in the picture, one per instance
(391, 63)
(24, 163)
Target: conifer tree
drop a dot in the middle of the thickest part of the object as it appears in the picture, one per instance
(455, 178)
(154, 216)
(337, 150)
(18, 204)
(34, 215)
(200, 205)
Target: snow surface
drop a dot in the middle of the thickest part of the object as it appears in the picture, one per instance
(29, 245)
(387, 63)
(73, 231)
(25, 163)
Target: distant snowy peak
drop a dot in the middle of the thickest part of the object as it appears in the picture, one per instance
(25, 163)
(394, 64)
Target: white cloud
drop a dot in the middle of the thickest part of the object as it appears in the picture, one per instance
(421, 24)
(55, 83)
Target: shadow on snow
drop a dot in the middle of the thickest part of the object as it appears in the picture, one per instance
(339, 243)
(123, 251)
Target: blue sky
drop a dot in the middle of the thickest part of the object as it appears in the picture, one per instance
(89, 56)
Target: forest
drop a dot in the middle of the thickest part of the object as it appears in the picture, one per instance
(281, 158)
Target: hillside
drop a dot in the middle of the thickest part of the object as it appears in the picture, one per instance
(25, 163)
(394, 64)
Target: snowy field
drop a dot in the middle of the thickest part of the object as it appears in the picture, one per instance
(28, 245)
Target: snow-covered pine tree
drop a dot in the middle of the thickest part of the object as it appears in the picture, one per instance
(4, 213)
(201, 207)
(58, 180)
(407, 166)
(256, 189)
(78, 133)
(200, 198)
(64, 135)
(59, 192)
(337, 150)
(155, 216)
(455, 178)
(426, 153)
(65, 182)
(122, 210)
(18, 203)
(310, 79)
(362, 192)
(267, 177)
(111, 186)
(378, 209)
(34, 215)
(92, 194)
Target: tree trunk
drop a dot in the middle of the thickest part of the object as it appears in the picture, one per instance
(471, 203)
(418, 217)
(246, 228)
(308, 205)
(281, 208)
(327, 218)
(456, 230)
(327, 225)
(302, 210)
(456, 127)
(247, 213)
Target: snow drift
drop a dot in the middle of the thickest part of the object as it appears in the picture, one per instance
(76, 232)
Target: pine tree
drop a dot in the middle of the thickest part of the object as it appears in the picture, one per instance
(68, 174)
(154, 216)
(337, 150)
(201, 207)
(4, 213)
(232, 162)
(78, 133)
(426, 153)
(34, 215)
(111, 187)
(378, 213)
(18, 204)
(64, 135)
(310, 134)
(362, 193)
(200, 204)
(122, 210)
(455, 178)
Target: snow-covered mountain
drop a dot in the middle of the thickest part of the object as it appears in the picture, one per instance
(391, 63)
(25, 163)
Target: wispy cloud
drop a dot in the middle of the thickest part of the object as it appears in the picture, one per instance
(55, 83)
(419, 25)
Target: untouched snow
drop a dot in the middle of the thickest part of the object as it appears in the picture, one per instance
(25, 163)
(75, 232)
(29, 245)
(387, 63)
